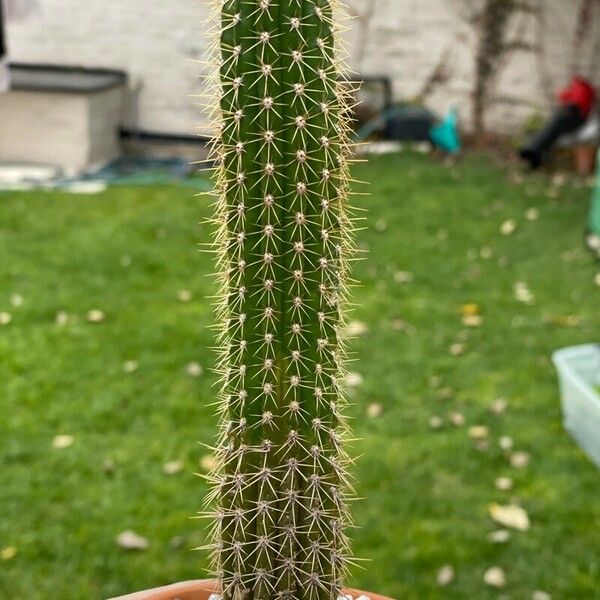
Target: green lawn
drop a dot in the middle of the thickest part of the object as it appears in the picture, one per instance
(434, 245)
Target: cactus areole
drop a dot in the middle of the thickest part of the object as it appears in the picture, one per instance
(280, 490)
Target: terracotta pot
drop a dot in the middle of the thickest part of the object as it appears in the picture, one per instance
(201, 590)
(585, 159)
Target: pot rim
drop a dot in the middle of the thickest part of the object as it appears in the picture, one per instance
(184, 589)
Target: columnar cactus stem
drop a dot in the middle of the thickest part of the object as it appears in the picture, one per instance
(281, 487)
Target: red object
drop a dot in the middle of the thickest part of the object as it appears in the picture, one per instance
(580, 93)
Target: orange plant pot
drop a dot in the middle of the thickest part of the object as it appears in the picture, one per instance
(202, 589)
(585, 159)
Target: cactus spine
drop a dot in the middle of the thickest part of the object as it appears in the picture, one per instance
(281, 488)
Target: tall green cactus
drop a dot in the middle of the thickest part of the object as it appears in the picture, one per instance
(281, 488)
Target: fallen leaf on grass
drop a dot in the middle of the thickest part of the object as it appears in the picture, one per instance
(436, 422)
(519, 460)
(109, 466)
(511, 515)
(16, 300)
(593, 241)
(445, 393)
(130, 366)
(173, 467)
(356, 328)
(501, 536)
(193, 369)
(479, 432)
(8, 553)
(402, 325)
(517, 178)
(469, 310)
(404, 277)
(95, 316)
(208, 462)
(457, 419)
(353, 379)
(398, 324)
(5, 318)
(130, 540)
(381, 225)
(495, 577)
(486, 252)
(508, 227)
(482, 445)
(472, 320)
(504, 484)
(184, 296)
(62, 318)
(62, 441)
(434, 382)
(563, 320)
(498, 407)
(457, 349)
(523, 293)
(374, 410)
(445, 576)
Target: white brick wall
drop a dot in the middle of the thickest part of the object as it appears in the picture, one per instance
(156, 42)
(408, 39)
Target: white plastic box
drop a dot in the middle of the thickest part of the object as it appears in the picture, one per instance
(63, 116)
(579, 376)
